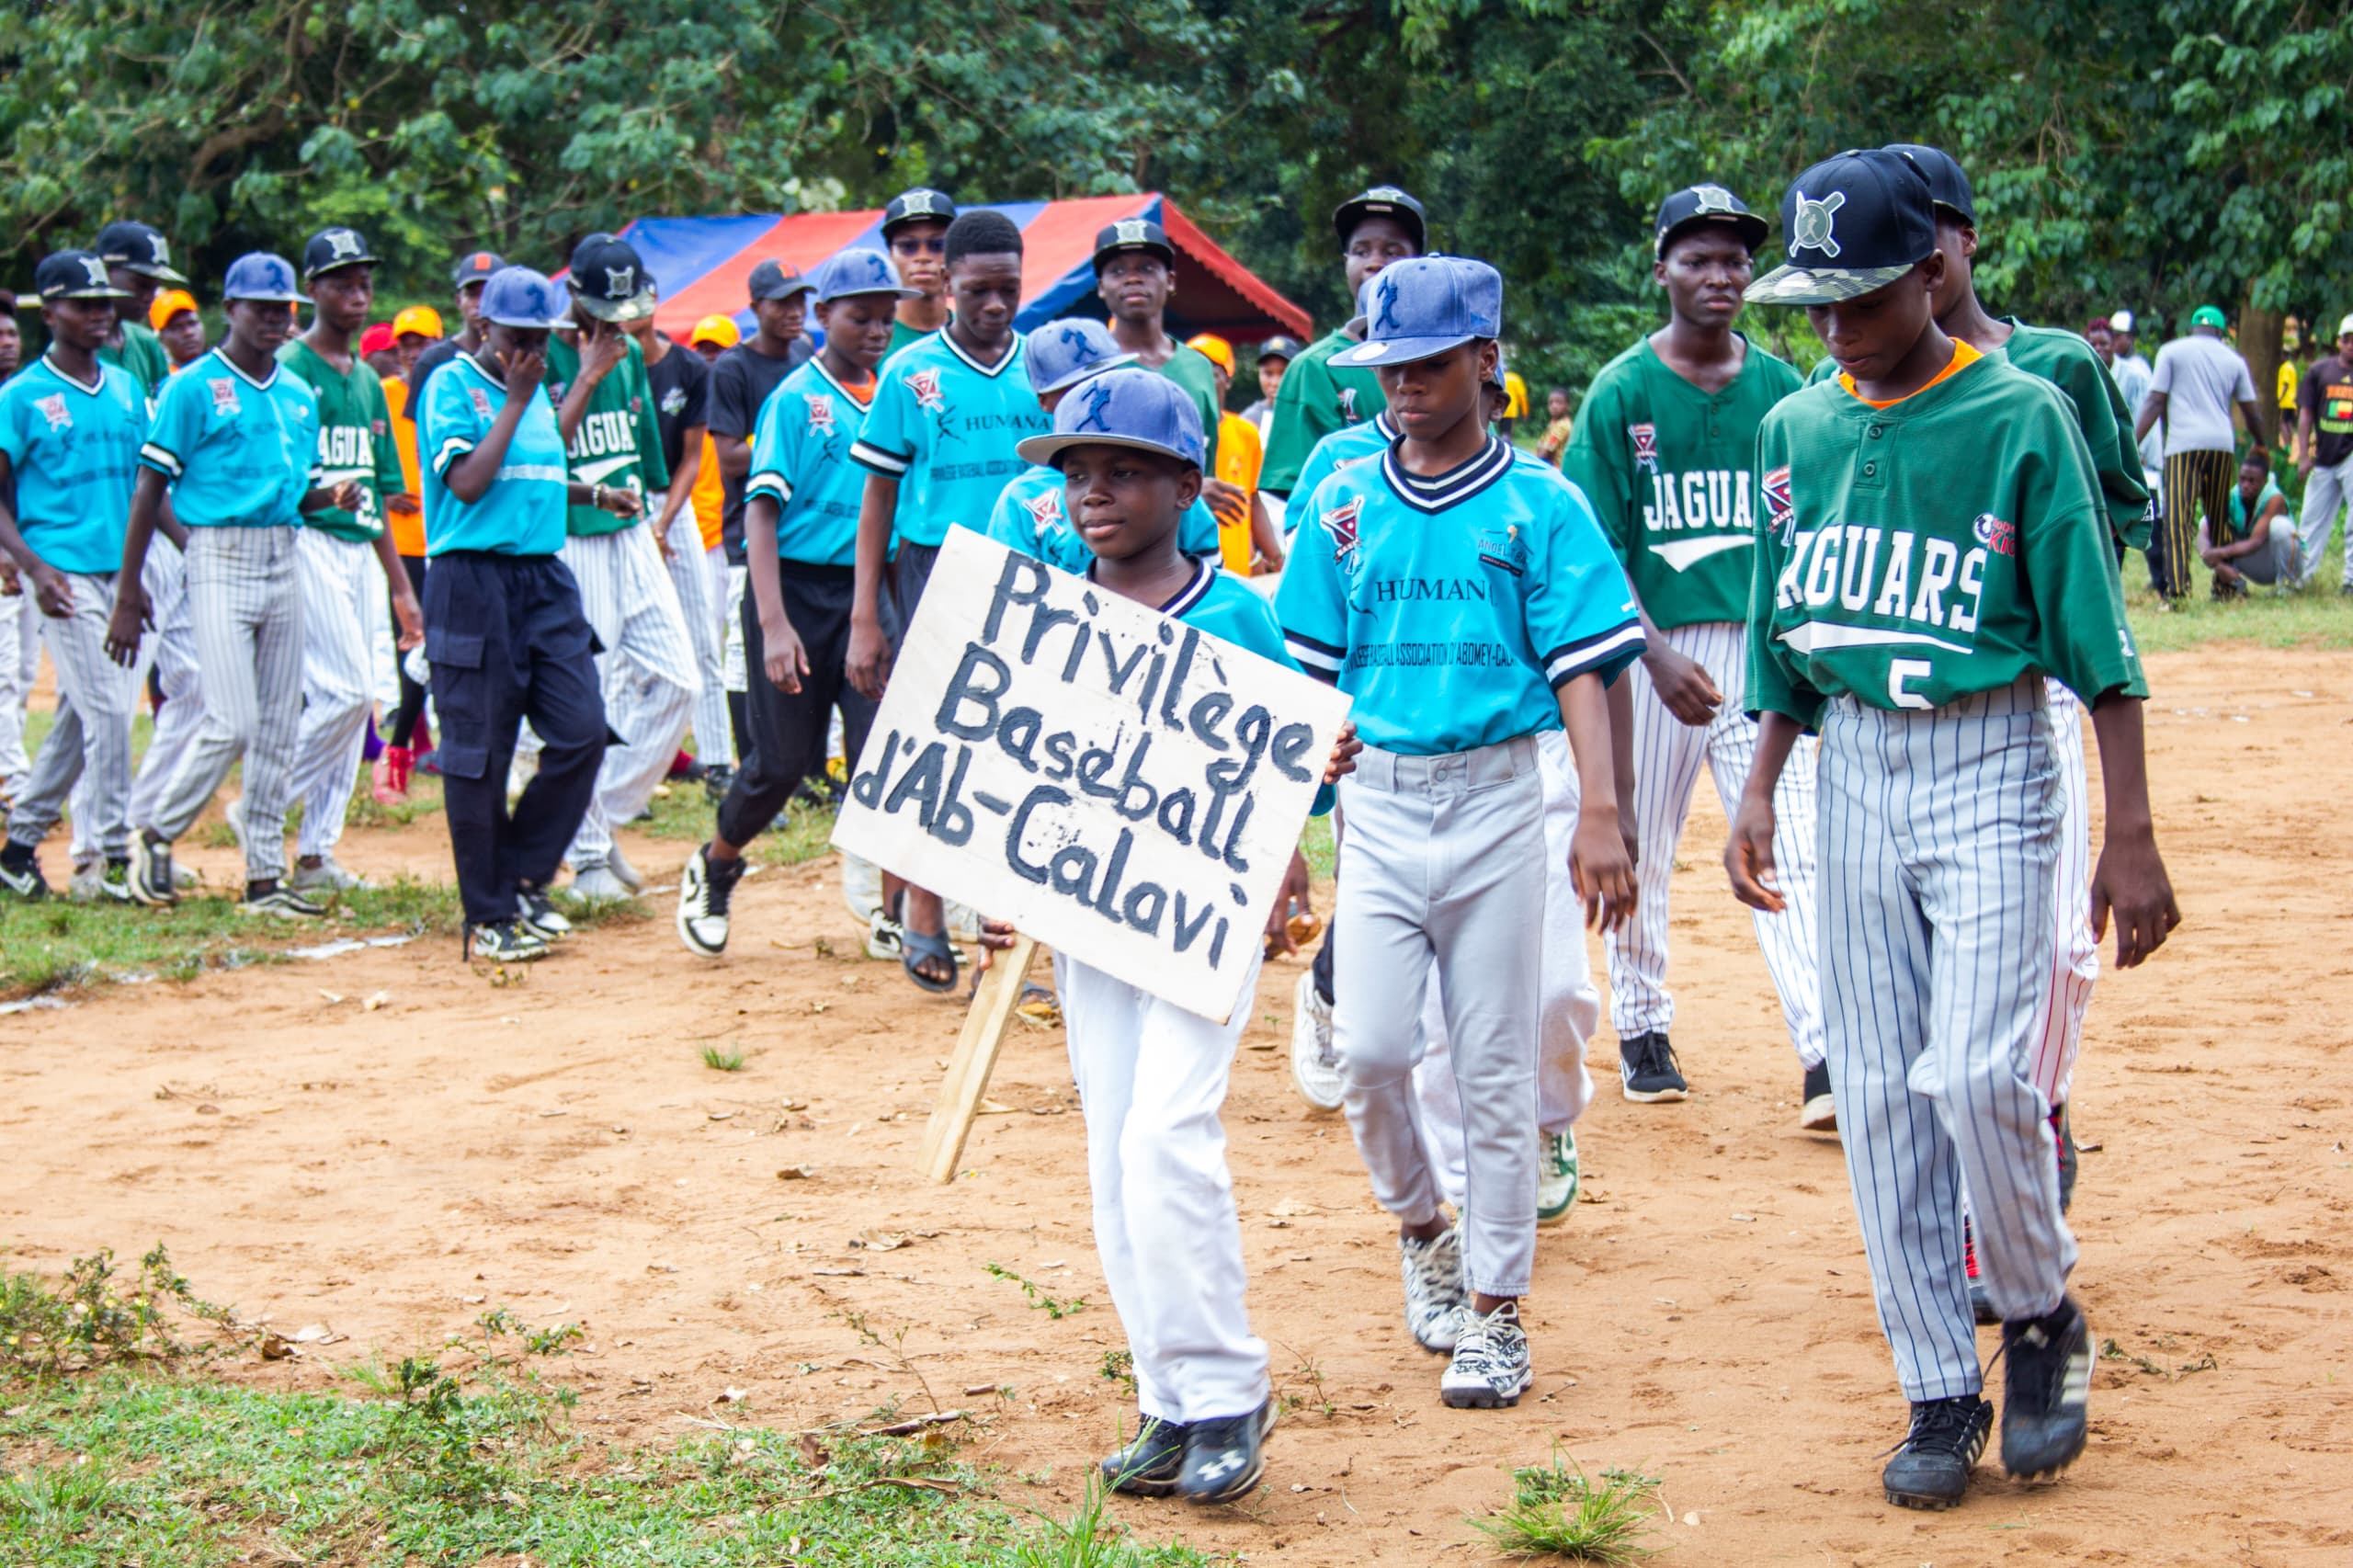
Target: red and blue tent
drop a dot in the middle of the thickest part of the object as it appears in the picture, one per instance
(703, 265)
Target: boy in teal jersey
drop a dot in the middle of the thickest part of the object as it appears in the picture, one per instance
(236, 440)
(345, 559)
(70, 429)
(651, 673)
(1662, 449)
(2262, 545)
(1933, 542)
(1461, 593)
(800, 507)
(140, 261)
(1151, 1076)
(942, 429)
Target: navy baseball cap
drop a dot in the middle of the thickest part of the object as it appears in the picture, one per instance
(1948, 186)
(1381, 201)
(1854, 224)
(331, 249)
(1126, 407)
(609, 281)
(1065, 353)
(1426, 305)
(1698, 204)
(856, 271)
(776, 280)
(920, 205)
(1132, 233)
(138, 247)
(263, 277)
(475, 266)
(1280, 347)
(517, 296)
(76, 275)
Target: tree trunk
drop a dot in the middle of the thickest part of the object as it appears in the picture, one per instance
(2259, 345)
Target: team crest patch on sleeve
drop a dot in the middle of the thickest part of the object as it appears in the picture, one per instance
(1348, 406)
(224, 395)
(1778, 504)
(1045, 511)
(1996, 535)
(924, 384)
(376, 427)
(637, 406)
(52, 408)
(821, 413)
(1340, 522)
(481, 400)
(1645, 439)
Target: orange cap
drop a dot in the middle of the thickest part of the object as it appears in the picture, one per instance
(720, 330)
(1217, 349)
(423, 320)
(167, 305)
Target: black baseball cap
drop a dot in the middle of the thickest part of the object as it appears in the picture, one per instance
(1948, 186)
(609, 281)
(475, 266)
(776, 280)
(76, 275)
(1698, 204)
(141, 249)
(1280, 347)
(920, 205)
(1132, 233)
(330, 250)
(1381, 201)
(1854, 224)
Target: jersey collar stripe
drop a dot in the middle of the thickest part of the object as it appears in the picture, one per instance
(1450, 489)
(891, 465)
(484, 372)
(1012, 352)
(1386, 426)
(450, 451)
(768, 483)
(263, 385)
(1568, 662)
(159, 457)
(96, 385)
(834, 381)
(1193, 592)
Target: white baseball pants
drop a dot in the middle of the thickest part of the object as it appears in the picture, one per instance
(171, 649)
(2327, 493)
(90, 741)
(20, 621)
(739, 583)
(343, 599)
(702, 599)
(2075, 959)
(647, 672)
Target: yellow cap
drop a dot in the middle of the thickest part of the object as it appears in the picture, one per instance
(1215, 349)
(718, 329)
(167, 305)
(423, 320)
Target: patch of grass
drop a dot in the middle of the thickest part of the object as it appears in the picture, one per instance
(1556, 1512)
(720, 1061)
(2312, 616)
(1053, 1308)
(94, 1316)
(685, 815)
(1317, 845)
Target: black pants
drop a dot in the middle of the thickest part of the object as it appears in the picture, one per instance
(411, 708)
(788, 729)
(506, 640)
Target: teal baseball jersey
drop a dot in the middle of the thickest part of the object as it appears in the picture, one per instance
(801, 461)
(1451, 608)
(523, 511)
(1029, 517)
(1948, 544)
(1342, 448)
(355, 440)
(617, 443)
(1669, 469)
(240, 453)
(74, 450)
(945, 427)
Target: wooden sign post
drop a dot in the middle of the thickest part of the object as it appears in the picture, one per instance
(993, 1000)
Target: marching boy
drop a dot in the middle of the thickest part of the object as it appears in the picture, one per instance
(1933, 542)
(1463, 594)
(1151, 1076)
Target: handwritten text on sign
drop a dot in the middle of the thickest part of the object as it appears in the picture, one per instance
(1106, 777)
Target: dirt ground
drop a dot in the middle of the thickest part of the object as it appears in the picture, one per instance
(557, 1147)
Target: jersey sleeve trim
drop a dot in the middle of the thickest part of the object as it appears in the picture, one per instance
(770, 483)
(1605, 651)
(1321, 660)
(161, 458)
(449, 451)
(890, 465)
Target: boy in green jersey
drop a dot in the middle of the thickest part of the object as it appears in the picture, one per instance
(139, 260)
(1932, 543)
(1664, 451)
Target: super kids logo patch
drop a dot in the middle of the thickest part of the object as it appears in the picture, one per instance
(1645, 439)
(1045, 513)
(1506, 551)
(52, 408)
(1996, 535)
(1348, 406)
(924, 384)
(224, 395)
(821, 413)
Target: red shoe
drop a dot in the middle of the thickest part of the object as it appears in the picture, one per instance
(1981, 1306)
(392, 775)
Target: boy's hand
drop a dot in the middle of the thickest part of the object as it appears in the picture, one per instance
(1292, 901)
(995, 936)
(1683, 685)
(53, 592)
(2131, 881)
(785, 661)
(1344, 754)
(1748, 857)
(411, 617)
(1227, 502)
(1601, 871)
(523, 369)
(868, 663)
(125, 626)
(345, 497)
(602, 347)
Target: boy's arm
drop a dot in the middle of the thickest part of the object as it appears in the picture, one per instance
(1601, 865)
(870, 650)
(51, 592)
(1621, 748)
(130, 618)
(1748, 853)
(2130, 881)
(405, 610)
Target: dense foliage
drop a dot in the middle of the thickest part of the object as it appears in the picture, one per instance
(2151, 152)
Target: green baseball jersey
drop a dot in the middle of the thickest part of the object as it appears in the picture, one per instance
(619, 443)
(1669, 469)
(141, 354)
(900, 335)
(355, 439)
(1948, 544)
(1196, 373)
(1316, 397)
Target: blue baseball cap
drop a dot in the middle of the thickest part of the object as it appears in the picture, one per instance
(1065, 353)
(1126, 407)
(856, 271)
(261, 276)
(1426, 305)
(1854, 224)
(517, 296)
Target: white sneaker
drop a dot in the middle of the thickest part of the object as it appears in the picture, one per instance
(1314, 1066)
(1490, 1369)
(618, 863)
(1556, 1176)
(885, 938)
(596, 884)
(1436, 1297)
(703, 895)
(329, 874)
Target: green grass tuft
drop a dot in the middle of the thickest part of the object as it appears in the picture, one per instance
(720, 1061)
(1556, 1512)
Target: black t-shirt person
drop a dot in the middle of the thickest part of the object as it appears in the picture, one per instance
(2327, 392)
(741, 380)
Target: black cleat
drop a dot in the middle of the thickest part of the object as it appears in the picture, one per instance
(508, 942)
(1149, 1466)
(1817, 1110)
(2047, 1396)
(538, 914)
(1224, 1458)
(1931, 1469)
(1646, 1063)
(21, 873)
(704, 889)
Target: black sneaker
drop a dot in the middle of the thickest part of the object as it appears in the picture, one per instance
(716, 778)
(704, 889)
(2047, 1393)
(151, 872)
(1931, 1469)
(21, 873)
(2067, 1134)
(538, 914)
(281, 903)
(508, 942)
(1646, 1063)
(1224, 1458)
(1149, 1466)
(1817, 1112)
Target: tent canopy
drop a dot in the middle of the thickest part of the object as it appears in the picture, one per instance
(703, 265)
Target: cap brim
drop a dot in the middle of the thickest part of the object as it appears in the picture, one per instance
(1167, 254)
(1752, 229)
(108, 292)
(1346, 218)
(1091, 368)
(1046, 449)
(1401, 350)
(637, 307)
(151, 269)
(860, 294)
(338, 265)
(1822, 285)
(523, 325)
(803, 285)
(286, 298)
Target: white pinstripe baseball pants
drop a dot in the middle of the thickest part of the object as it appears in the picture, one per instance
(647, 672)
(91, 738)
(1571, 1007)
(702, 599)
(2075, 961)
(1667, 754)
(20, 621)
(1939, 831)
(739, 583)
(171, 649)
(245, 605)
(341, 599)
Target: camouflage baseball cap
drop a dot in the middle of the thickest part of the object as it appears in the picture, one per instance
(1854, 224)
